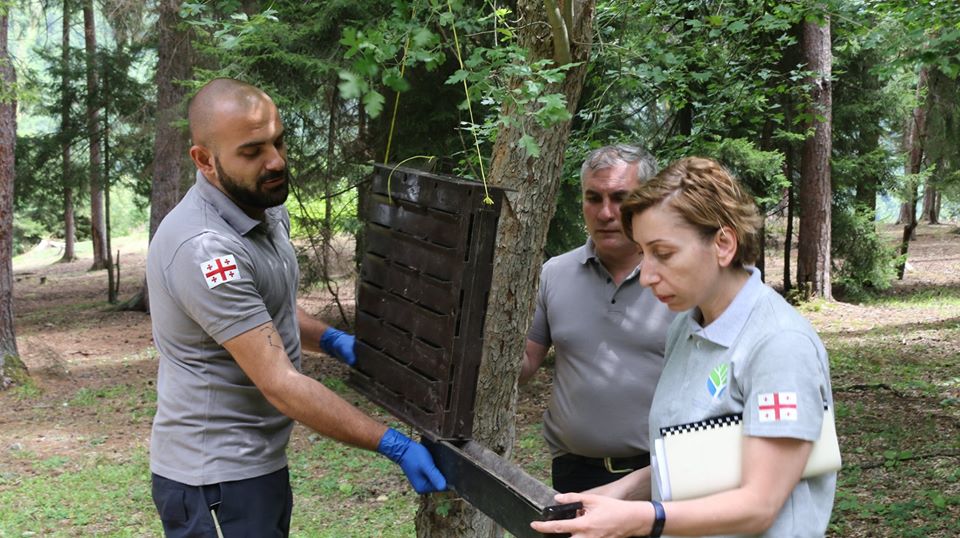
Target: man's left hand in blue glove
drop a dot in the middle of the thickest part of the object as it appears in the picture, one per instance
(339, 344)
(415, 461)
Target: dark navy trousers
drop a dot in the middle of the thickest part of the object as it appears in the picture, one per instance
(256, 507)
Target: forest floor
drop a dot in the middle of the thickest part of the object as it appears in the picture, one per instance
(73, 442)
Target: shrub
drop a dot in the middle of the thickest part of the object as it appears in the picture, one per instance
(862, 261)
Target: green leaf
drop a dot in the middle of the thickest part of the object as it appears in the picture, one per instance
(457, 77)
(373, 102)
(737, 26)
(392, 79)
(421, 38)
(719, 375)
(529, 145)
(350, 86)
(701, 76)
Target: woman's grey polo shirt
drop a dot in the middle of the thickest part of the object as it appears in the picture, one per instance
(760, 358)
(214, 273)
(609, 341)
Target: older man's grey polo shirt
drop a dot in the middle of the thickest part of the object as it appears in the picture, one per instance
(760, 358)
(214, 273)
(609, 341)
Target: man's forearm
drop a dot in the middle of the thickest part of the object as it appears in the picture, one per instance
(311, 330)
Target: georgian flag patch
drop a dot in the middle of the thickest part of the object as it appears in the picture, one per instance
(777, 406)
(220, 270)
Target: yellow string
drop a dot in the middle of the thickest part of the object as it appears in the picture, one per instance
(396, 105)
(396, 99)
(466, 90)
(398, 165)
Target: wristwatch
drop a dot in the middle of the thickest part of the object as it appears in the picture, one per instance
(660, 517)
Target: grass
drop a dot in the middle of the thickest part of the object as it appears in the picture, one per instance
(896, 377)
(90, 496)
(45, 255)
(896, 387)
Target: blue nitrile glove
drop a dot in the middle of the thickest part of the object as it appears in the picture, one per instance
(339, 344)
(415, 461)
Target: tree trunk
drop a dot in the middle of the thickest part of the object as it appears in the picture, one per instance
(915, 140)
(9, 356)
(170, 144)
(813, 258)
(788, 235)
(69, 219)
(97, 233)
(906, 213)
(521, 236)
(931, 204)
(111, 284)
(866, 196)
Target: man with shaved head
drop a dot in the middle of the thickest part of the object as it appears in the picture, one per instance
(223, 277)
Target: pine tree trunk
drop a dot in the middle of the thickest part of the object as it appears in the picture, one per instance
(175, 57)
(97, 232)
(813, 258)
(69, 219)
(9, 356)
(521, 236)
(931, 204)
(170, 144)
(866, 196)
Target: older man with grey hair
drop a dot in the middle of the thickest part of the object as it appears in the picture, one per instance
(608, 333)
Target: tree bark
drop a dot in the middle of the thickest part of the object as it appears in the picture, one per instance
(915, 139)
(521, 236)
(97, 232)
(170, 163)
(788, 235)
(866, 195)
(931, 204)
(9, 356)
(69, 218)
(813, 258)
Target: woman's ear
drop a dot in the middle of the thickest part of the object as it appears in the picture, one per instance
(725, 241)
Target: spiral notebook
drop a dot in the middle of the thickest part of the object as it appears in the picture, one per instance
(702, 458)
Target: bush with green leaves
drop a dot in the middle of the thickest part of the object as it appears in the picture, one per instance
(863, 261)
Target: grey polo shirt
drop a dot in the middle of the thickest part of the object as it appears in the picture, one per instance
(609, 343)
(760, 358)
(214, 273)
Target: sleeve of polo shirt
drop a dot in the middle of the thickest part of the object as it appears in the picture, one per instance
(223, 310)
(783, 388)
(539, 331)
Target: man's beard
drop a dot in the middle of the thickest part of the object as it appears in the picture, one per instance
(257, 197)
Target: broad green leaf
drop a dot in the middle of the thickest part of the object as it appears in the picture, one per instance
(458, 76)
(350, 86)
(373, 103)
(529, 144)
(737, 26)
(421, 38)
(392, 79)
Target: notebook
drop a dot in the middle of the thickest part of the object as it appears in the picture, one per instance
(703, 458)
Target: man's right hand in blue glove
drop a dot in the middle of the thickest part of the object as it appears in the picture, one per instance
(415, 461)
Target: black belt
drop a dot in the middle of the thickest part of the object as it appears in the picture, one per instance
(612, 465)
